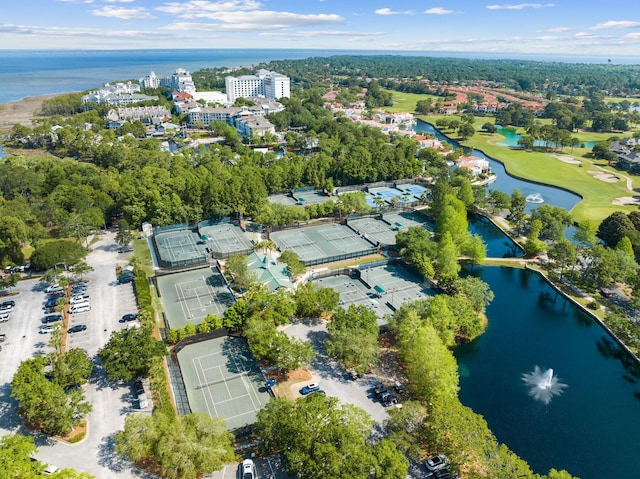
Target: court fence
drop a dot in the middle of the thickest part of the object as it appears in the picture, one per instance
(198, 338)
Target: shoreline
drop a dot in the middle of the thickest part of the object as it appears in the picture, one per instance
(22, 111)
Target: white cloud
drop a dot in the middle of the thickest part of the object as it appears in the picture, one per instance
(118, 1)
(388, 11)
(320, 33)
(199, 6)
(75, 1)
(438, 11)
(616, 24)
(520, 6)
(558, 29)
(254, 20)
(122, 13)
(548, 38)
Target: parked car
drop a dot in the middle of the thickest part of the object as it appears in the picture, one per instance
(4, 316)
(80, 298)
(387, 399)
(53, 288)
(248, 469)
(138, 386)
(398, 387)
(436, 463)
(80, 308)
(125, 249)
(309, 388)
(128, 317)
(6, 307)
(45, 328)
(125, 278)
(444, 473)
(2, 337)
(49, 309)
(9, 303)
(77, 328)
(52, 318)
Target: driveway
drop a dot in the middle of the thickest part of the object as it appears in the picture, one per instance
(112, 403)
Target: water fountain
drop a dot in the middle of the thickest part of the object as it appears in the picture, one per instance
(543, 386)
(534, 198)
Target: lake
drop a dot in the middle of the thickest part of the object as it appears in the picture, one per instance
(591, 428)
(511, 139)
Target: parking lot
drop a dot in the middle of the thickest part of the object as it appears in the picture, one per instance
(111, 402)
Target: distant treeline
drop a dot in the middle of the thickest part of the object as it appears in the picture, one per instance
(396, 70)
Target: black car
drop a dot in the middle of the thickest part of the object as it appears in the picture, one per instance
(77, 328)
(125, 249)
(138, 386)
(125, 278)
(52, 318)
(128, 317)
(49, 309)
(8, 303)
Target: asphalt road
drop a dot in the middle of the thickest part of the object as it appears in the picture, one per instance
(112, 403)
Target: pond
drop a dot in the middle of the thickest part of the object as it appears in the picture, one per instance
(590, 428)
(511, 139)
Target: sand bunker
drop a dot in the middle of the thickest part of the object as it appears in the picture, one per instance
(627, 200)
(567, 159)
(604, 176)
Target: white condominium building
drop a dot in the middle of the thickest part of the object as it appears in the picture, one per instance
(264, 84)
(150, 81)
(180, 80)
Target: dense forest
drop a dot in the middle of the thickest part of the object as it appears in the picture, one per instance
(399, 71)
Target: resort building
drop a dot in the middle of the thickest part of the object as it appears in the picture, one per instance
(150, 81)
(180, 80)
(476, 165)
(145, 114)
(248, 120)
(264, 84)
(117, 94)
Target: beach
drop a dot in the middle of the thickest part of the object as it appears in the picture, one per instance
(22, 111)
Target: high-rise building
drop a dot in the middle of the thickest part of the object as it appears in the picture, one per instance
(264, 84)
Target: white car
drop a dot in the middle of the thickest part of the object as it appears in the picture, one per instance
(248, 469)
(45, 328)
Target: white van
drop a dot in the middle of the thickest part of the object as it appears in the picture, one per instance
(80, 298)
(80, 308)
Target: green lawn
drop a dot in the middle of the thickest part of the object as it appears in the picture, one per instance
(542, 167)
(143, 254)
(406, 102)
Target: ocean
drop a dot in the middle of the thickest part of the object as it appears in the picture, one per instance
(26, 73)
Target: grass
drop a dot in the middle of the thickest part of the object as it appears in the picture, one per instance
(544, 168)
(406, 102)
(143, 254)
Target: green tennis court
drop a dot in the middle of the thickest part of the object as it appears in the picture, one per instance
(188, 297)
(223, 380)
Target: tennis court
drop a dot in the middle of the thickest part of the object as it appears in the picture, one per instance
(392, 194)
(224, 239)
(223, 380)
(394, 284)
(415, 190)
(323, 243)
(178, 247)
(406, 219)
(305, 197)
(286, 200)
(375, 230)
(354, 291)
(188, 297)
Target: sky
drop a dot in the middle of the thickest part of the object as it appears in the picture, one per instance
(574, 27)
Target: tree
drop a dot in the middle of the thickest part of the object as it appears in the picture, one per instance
(585, 233)
(534, 245)
(313, 301)
(237, 267)
(614, 227)
(130, 353)
(185, 447)
(447, 265)
(564, 254)
(353, 338)
(48, 255)
(16, 460)
(466, 131)
(517, 209)
(124, 235)
(72, 368)
(81, 268)
(476, 291)
(315, 435)
(431, 368)
(44, 403)
(292, 260)
(489, 127)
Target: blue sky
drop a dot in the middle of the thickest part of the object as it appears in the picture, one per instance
(575, 27)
